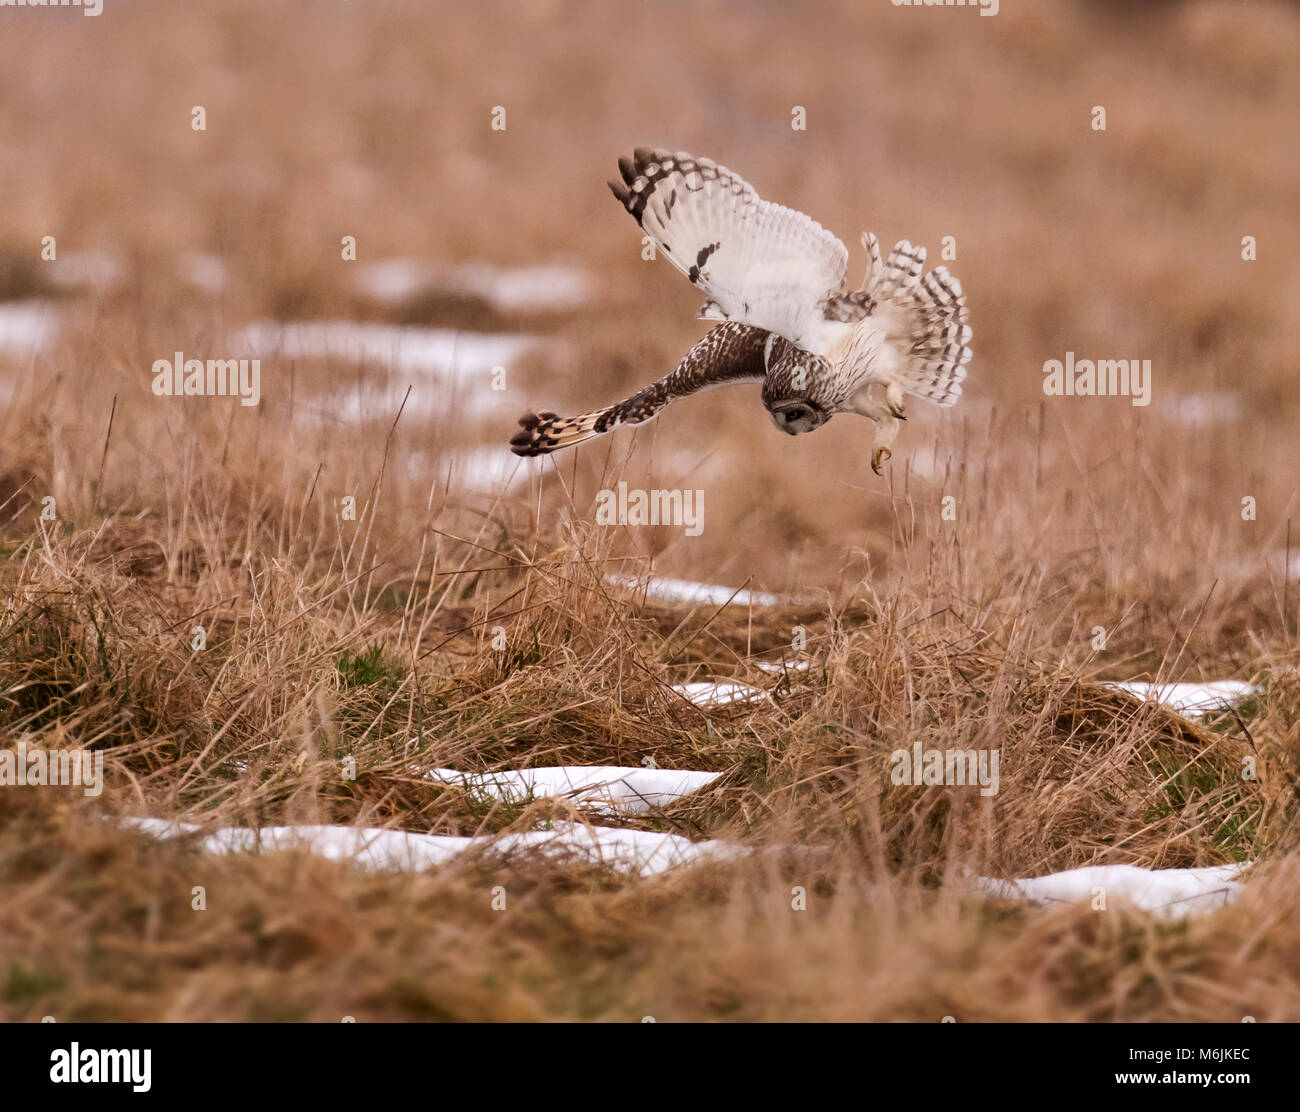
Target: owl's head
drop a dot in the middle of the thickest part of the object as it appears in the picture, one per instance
(796, 415)
(792, 386)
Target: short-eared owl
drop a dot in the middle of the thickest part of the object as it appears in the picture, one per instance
(775, 278)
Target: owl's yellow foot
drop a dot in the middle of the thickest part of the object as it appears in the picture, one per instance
(886, 424)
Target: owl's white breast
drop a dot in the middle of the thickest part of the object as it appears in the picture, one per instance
(863, 355)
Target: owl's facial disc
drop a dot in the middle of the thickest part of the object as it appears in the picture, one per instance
(796, 416)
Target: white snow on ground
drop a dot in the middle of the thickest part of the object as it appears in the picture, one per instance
(438, 364)
(613, 789)
(604, 789)
(1187, 698)
(717, 693)
(376, 400)
(27, 326)
(779, 667)
(431, 351)
(392, 281)
(544, 286)
(687, 590)
(489, 469)
(1197, 410)
(75, 269)
(528, 288)
(640, 852)
(204, 272)
(1170, 893)
(1276, 564)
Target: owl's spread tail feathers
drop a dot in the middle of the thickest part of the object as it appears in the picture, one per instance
(931, 312)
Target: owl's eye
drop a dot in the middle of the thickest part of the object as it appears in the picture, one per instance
(794, 414)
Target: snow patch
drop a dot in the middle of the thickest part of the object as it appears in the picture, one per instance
(638, 852)
(664, 589)
(521, 289)
(392, 281)
(85, 270)
(371, 401)
(528, 288)
(1169, 893)
(27, 327)
(779, 667)
(718, 693)
(1280, 564)
(204, 272)
(489, 470)
(1199, 410)
(447, 367)
(1187, 698)
(605, 789)
(436, 352)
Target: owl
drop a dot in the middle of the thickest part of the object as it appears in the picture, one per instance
(774, 280)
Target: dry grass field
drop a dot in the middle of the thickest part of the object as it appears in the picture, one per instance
(355, 592)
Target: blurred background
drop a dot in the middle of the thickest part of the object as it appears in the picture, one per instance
(479, 247)
(319, 185)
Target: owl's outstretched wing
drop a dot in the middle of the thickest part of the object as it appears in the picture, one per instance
(729, 353)
(759, 263)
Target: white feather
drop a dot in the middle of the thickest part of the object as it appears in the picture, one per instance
(772, 267)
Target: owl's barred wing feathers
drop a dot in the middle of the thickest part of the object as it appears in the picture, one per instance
(729, 353)
(757, 262)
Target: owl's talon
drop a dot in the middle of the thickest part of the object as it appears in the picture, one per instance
(894, 399)
(878, 457)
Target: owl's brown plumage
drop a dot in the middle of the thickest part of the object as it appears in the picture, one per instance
(731, 352)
